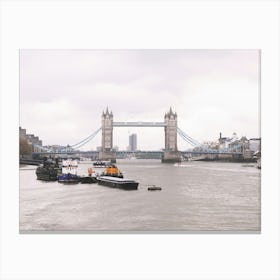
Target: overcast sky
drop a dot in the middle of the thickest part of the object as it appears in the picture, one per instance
(63, 93)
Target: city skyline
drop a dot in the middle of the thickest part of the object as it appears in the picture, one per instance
(212, 91)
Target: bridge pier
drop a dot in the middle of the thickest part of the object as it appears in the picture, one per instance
(107, 156)
(171, 157)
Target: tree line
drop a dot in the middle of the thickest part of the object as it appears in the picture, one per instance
(25, 148)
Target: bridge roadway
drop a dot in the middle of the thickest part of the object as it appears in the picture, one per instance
(96, 152)
(139, 152)
(211, 152)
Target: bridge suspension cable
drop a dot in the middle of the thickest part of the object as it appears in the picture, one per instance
(187, 138)
(86, 140)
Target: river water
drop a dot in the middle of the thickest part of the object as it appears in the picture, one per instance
(195, 196)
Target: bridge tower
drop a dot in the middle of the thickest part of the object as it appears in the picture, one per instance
(171, 153)
(106, 152)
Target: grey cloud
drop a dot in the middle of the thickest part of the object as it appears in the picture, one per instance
(72, 87)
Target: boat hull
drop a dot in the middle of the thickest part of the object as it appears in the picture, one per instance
(68, 179)
(154, 189)
(119, 183)
(47, 174)
(88, 180)
(112, 175)
(46, 177)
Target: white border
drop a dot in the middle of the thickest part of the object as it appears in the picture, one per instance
(190, 24)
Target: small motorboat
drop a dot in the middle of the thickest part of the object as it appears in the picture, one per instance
(153, 188)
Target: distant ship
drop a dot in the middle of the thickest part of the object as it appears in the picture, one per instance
(100, 164)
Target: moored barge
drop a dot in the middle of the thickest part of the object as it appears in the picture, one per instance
(68, 178)
(69, 172)
(115, 182)
(49, 170)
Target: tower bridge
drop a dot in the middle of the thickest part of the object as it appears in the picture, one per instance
(171, 153)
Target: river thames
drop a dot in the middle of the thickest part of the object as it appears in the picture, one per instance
(195, 196)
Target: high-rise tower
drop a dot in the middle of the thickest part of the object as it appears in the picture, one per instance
(133, 142)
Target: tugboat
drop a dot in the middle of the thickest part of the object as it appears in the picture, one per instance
(112, 171)
(69, 172)
(115, 182)
(49, 170)
(90, 179)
